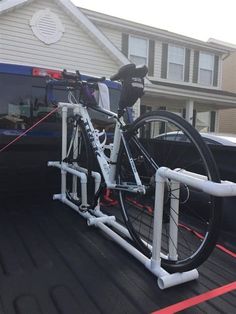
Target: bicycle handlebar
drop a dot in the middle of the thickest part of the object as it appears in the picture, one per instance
(72, 81)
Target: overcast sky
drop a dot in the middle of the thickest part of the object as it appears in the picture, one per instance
(201, 19)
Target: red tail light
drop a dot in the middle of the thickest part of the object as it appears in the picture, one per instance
(47, 72)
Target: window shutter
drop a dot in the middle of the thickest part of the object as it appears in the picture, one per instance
(187, 65)
(194, 117)
(195, 66)
(164, 59)
(216, 70)
(151, 56)
(212, 121)
(125, 44)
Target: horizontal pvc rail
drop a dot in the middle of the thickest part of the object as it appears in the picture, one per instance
(83, 179)
(65, 167)
(165, 280)
(223, 189)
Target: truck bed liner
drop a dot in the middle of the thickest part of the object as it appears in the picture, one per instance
(52, 263)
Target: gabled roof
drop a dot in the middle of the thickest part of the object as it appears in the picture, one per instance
(222, 44)
(150, 31)
(79, 17)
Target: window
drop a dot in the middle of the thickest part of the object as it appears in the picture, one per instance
(206, 66)
(22, 102)
(176, 56)
(138, 50)
(203, 121)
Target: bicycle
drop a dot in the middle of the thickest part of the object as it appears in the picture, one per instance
(136, 152)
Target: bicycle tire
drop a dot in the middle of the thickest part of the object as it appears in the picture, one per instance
(84, 150)
(136, 209)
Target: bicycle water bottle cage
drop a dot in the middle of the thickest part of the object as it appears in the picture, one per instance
(132, 79)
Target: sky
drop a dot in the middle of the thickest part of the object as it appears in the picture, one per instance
(201, 19)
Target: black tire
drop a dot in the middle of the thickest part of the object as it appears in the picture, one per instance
(199, 213)
(85, 152)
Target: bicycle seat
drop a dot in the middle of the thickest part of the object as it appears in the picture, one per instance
(129, 71)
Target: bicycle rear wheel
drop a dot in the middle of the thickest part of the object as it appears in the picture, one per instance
(164, 139)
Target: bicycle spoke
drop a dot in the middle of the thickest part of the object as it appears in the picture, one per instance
(156, 144)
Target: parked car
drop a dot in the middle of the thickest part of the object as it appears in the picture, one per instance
(209, 138)
(223, 148)
(219, 139)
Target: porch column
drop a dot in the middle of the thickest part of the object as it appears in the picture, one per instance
(189, 110)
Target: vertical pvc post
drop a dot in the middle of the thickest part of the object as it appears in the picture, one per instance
(157, 223)
(64, 149)
(174, 220)
(75, 156)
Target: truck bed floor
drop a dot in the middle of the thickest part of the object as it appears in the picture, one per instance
(52, 263)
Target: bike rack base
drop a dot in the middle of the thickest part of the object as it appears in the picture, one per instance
(104, 222)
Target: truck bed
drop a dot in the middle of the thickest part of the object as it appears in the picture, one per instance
(52, 263)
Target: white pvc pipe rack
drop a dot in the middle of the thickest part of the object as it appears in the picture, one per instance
(104, 222)
(97, 218)
(222, 189)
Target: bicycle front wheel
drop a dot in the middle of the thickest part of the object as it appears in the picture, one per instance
(164, 139)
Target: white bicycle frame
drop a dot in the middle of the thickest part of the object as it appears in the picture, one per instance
(108, 169)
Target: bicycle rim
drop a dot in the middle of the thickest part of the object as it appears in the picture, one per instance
(164, 139)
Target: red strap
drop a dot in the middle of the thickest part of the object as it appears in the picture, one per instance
(198, 299)
(225, 250)
(108, 200)
(219, 246)
(134, 202)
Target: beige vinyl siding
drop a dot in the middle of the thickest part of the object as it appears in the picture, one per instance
(229, 73)
(113, 35)
(227, 120)
(75, 51)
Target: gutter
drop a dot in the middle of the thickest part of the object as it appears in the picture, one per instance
(159, 90)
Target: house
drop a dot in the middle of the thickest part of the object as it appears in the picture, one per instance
(227, 117)
(185, 74)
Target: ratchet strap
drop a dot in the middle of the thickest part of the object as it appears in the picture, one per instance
(197, 300)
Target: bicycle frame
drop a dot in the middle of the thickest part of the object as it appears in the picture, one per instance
(108, 169)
